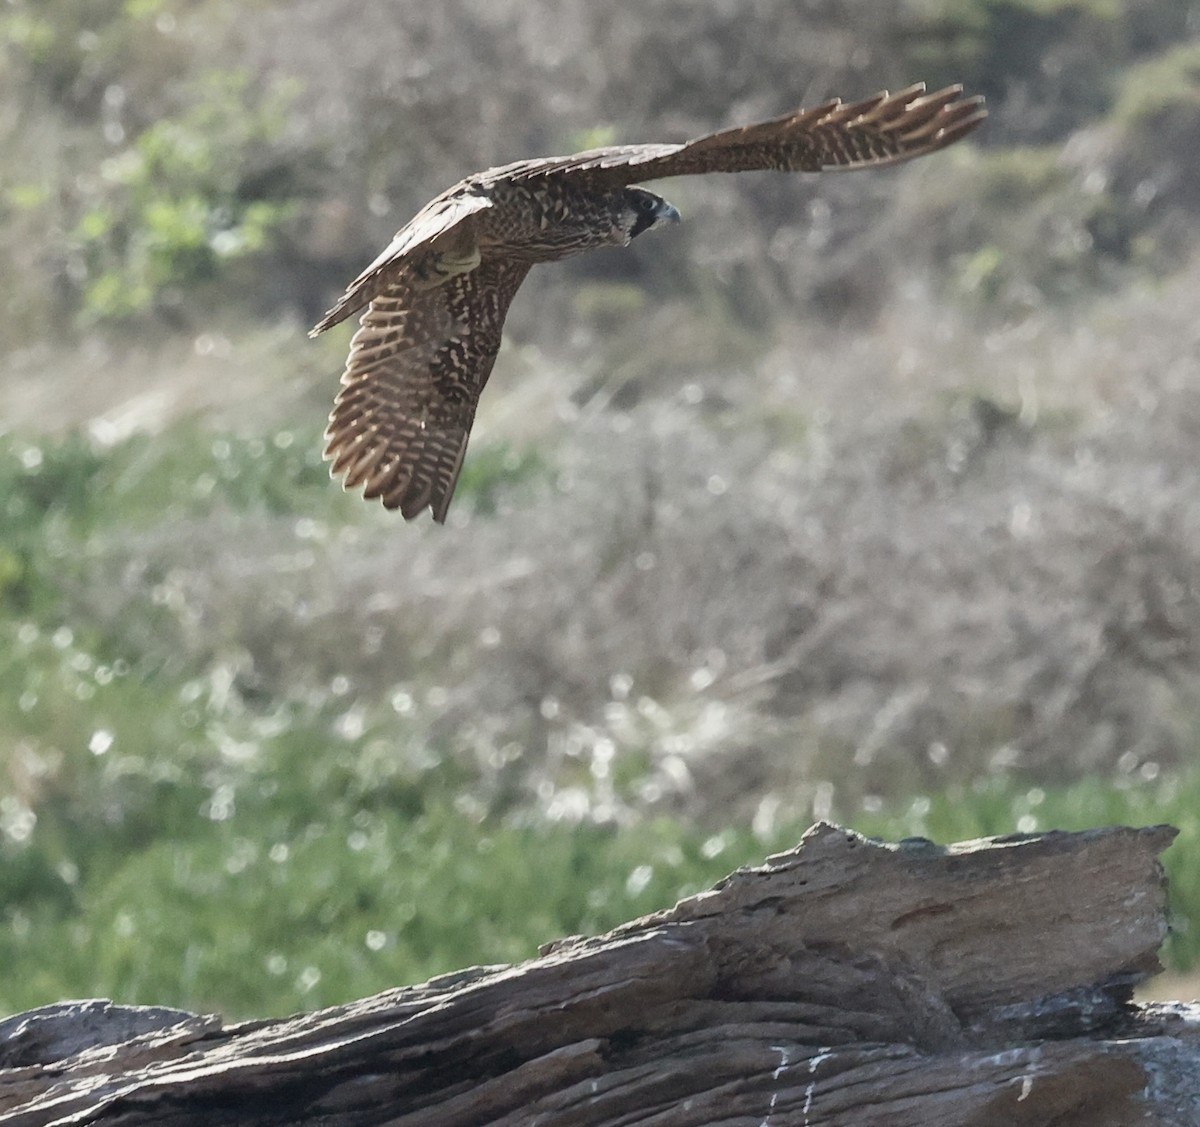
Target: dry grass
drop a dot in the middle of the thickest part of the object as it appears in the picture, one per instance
(829, 565)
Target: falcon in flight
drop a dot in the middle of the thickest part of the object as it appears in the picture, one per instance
(436, 298)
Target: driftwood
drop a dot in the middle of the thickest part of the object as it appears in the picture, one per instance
(844, 982)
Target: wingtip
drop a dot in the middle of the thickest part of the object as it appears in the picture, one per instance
(331, 318)
(970, 116)
(908, 94)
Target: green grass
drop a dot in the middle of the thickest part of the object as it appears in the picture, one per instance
(170, 836)
(248, 900)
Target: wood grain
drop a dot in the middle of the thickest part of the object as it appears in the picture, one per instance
(846, 981)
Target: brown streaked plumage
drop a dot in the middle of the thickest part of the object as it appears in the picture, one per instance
(437, 296)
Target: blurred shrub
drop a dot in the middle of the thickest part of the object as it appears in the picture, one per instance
(1158, 118)
(1165, 84)
(66, 54)
(149, 174)
(1054, 65)
(716, 585)
(167, 214)
(492, 471)
(144, 169)
(1040, 234)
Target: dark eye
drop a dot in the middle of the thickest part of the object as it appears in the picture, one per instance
(646, 203)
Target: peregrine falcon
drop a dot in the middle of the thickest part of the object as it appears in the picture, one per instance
(437, 296)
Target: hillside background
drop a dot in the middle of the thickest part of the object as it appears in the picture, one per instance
(870, 497)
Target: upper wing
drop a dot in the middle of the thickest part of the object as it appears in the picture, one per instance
(417, 364)
(883, 129)
(441, 223)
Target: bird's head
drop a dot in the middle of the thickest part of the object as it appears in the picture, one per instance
(643, 211)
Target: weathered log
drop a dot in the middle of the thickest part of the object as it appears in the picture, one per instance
(847, 981)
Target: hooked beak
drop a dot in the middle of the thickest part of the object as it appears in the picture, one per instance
(666, 213)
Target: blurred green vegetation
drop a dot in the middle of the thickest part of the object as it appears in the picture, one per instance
(176, 209)
(176, 161)
(148, 183)
(254, 759)
(261, 902)
(176, 838)
(1166, 82)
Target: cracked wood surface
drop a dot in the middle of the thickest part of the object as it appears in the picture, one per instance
(846, 981)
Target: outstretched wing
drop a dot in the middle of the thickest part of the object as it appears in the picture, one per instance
(417, 364)
(880, 130)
